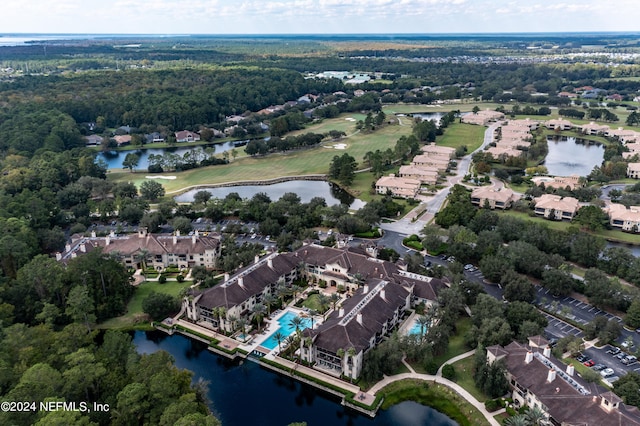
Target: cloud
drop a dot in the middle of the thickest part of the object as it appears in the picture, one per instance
(319, 16)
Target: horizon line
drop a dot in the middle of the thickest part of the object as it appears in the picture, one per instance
(635, 32)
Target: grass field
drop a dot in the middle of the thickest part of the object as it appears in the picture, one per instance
(609, 234)
(134, 313)
(456, 342)
(295, 163)
(460, 134)
(464, 372)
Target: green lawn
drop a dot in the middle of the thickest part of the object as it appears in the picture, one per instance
(456, 342)
(609, 234)
(312, 302)
(439, 397)
(293, 163)
(456, 345)
(464, 371)
(460, 134)
(134, 315)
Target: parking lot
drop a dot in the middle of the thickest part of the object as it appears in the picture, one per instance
(602, 356)
(560, 329)
(579, 312)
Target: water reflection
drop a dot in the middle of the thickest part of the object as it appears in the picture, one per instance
(114, 159)
(245, 393)
(305, 189)
(570, 156)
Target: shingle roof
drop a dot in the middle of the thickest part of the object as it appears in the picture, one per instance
(563, 401)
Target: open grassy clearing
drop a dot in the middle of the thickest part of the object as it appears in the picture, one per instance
(343, 123)
(456, 342)
(417, 108)
(134, 313)
(460, 134)
(464, 373)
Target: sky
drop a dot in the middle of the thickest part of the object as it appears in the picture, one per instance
(316, 16)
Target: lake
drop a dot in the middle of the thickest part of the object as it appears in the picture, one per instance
(306, 190)
(114, 159)
(247, 394)
(570, 156)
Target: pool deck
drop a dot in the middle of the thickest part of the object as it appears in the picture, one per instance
(406, 326)
(271, 326)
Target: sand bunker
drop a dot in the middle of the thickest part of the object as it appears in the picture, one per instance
(161, 177)
(350, 119)
(340, 146)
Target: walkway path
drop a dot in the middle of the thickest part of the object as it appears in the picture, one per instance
(436, 379)
(454, 360)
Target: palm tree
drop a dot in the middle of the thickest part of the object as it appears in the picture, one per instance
(282, 291)
(234, 322)
(279, 338)
(519, 420)
(297, 323)
(424, 323)
(240, 323)
(535, 416)
(269, 299)
(334, 299)
(351, 352)
(259, 310)
(324, 302)
(141, 257)
(222, 313)
(312, 313)
(295, 289)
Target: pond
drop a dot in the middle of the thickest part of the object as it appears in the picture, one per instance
(245, 393)
(114, 159)
(570, 156)
(635, 250)
(306, 190)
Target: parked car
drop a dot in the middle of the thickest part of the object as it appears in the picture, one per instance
(582, 358)
(607, 372)
(620, 355)
(590, 363)
(629, 360)
(468, 267)
(599, 367)
(614, 350)
(627, 345)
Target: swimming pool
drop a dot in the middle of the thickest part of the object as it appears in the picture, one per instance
(285, 329)
(415, 329)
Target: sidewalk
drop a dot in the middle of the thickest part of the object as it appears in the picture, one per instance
(454, 360)
(440, 380)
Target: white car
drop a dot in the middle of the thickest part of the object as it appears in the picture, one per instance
(607, 372)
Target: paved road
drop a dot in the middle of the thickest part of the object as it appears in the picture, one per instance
(434, 204)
